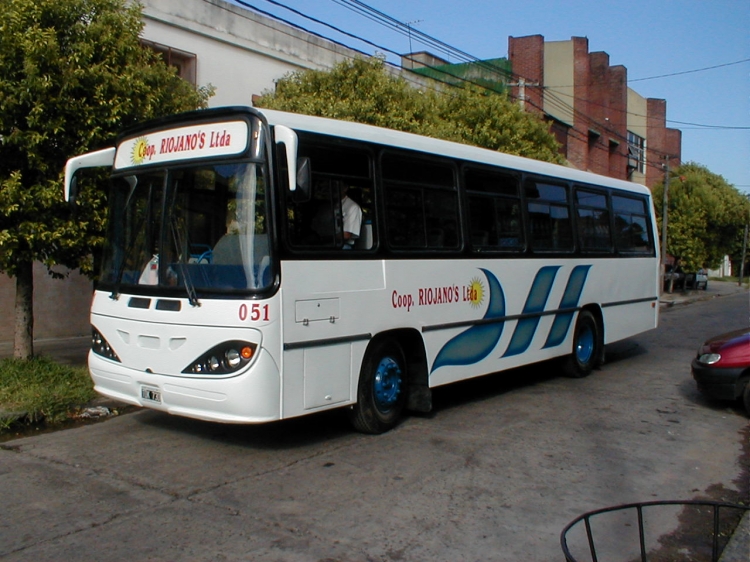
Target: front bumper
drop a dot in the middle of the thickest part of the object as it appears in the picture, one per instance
(250, 397)
(724, 384)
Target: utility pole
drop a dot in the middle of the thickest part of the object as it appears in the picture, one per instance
(408, 27)
(664, 212)
(522, 83)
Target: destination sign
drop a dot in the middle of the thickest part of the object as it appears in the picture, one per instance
(207, 140)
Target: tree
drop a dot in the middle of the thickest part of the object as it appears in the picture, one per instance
(362, 90)
(72, 73)
(706, 216)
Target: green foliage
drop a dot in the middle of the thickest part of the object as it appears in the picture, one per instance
(706, 217)
(43, 389)
(72, 74)
(363, 91)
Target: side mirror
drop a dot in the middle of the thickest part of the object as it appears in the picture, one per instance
(104, 157)
(73, 191)
(300, 176)
(287, 137)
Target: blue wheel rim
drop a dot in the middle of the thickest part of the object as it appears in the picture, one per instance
(387, 383)
(585, 345)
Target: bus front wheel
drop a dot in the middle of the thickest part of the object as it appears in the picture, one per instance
(587, 346)
(381, 394)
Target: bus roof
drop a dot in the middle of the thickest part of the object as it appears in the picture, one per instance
(410, 141)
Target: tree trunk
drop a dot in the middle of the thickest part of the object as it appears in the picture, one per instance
(23, 347)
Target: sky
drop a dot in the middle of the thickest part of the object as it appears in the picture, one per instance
(677, 41)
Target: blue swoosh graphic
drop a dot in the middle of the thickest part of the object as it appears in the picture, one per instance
(535, 302)
(570, 299)
(477, 342)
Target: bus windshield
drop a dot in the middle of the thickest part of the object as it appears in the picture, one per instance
(201, 229)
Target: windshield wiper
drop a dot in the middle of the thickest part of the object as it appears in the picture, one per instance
(187, 280)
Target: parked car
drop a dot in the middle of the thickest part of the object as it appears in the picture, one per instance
(675, 273)
(722, 367)
(697, 280)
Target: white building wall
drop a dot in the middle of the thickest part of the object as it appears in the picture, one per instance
(559, 80)
(242, 53)
(239, 52)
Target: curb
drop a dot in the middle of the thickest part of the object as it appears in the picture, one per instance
(738, 547)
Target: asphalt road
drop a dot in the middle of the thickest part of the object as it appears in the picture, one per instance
(494, 473)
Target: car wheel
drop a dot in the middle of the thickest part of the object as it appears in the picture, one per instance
(587, 346)
(746, 397)
(381, 394)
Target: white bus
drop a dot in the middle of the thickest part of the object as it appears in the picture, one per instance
(231, 289)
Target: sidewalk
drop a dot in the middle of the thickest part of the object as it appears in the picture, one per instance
(714, 289)
(68, 351)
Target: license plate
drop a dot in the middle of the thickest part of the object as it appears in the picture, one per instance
(151, 394)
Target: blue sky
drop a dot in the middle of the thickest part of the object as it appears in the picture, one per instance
(649, 37)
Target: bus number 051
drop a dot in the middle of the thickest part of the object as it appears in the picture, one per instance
(257, 312)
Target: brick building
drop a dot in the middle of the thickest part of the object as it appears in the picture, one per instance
(603, 126)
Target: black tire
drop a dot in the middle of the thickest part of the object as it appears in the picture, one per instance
(746, 397)
(588, 347)
(382, 390)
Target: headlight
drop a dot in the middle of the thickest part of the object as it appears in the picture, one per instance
(101, 346)
(709, 358)
(224, 359)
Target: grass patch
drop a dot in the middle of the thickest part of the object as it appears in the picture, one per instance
(41, 390)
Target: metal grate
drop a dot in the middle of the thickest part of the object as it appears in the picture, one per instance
(715, 508)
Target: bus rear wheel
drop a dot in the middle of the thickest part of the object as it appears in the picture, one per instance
(381, 394)
(587, 346)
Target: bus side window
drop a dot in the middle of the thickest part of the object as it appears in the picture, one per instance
(551, 226)
(495, 222)
(421, 201)
(593, 221)
(632, 233)
(339, 212)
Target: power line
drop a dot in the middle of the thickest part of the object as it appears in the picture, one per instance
(407, 30)
(580, 135)
(392, 22)
(358, 38)
(550, 89)
(401, 27)
(690, 71)
(296, 26)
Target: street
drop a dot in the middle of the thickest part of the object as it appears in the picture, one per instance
(495, 472)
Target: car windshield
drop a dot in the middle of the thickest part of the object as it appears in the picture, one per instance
(201, 230)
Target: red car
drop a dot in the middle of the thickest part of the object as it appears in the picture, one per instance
(722, 367)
